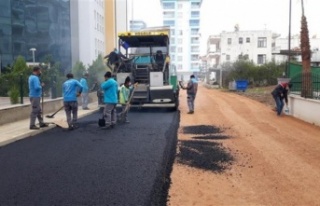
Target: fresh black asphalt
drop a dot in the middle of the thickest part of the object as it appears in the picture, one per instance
(128, 165)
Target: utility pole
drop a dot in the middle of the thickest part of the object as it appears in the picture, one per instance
(289, 40)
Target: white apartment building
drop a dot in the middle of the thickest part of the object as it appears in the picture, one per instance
(88, 33)
(280, 51)
(136, 25)
(183, 17)
(213, 51)
(256, 45)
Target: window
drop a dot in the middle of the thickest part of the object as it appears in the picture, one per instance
(248, 39)
(180, 6)
(168, 5)
(194, 66)
(195, 14)
(195, 40)
(172, 41)
(228, 57)
(229, 41)
(262, 42)
(173, 49)
(195, 5)
(195, 49)
(180, 58)
(180, 15)
(168, 14)
(179, 66)
(194, 31)
(180, 49)
(194, 22)
(180, 41)
(240, 40)
(173, 32)
(180, 32)
(168, 22)
(261, 58)
(194, 57)
(172, 57)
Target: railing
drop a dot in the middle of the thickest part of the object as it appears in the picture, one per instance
(315, 84)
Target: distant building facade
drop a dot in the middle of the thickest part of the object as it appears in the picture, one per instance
(90, 29)
(136, 25)
(213, 51)
(251, 45)
(117, 20)
(280, 51)
(183, 16)
(43, 25)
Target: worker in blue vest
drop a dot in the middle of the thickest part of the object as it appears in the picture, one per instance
(71, 89)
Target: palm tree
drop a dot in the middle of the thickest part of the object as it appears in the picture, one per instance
(306, 90)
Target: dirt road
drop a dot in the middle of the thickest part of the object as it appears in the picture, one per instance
(236, 151)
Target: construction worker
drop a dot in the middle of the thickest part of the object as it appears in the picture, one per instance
(279, 94)
(124, 98)
(110, 89)
(35, 92)
(192, 89)
(115, 59)
(85, 91)
(71, 90)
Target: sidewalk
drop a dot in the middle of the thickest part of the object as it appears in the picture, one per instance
(19, 130)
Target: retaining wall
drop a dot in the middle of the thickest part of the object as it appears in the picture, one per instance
(305, 109)
(15, 113)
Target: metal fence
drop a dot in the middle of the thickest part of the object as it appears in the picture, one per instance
(297, 85)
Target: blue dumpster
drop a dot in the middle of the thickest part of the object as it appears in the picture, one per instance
(242, 85)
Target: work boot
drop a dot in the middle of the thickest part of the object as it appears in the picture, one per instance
(43, 125)
(34, 127)
(190, 112)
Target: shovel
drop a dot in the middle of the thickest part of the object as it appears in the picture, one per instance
(52, 115)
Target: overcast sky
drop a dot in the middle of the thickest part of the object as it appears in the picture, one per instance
(222, 15)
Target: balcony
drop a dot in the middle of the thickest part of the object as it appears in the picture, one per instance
(195, 42)
(195, 5)
(18, 22)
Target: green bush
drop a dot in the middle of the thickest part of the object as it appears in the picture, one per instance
(14, 95)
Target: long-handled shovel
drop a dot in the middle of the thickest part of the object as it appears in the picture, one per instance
(52, 115)
(127, 107)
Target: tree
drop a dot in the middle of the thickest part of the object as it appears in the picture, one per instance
(78, 70)
(306, 90)
(97, 70)
(19, 65)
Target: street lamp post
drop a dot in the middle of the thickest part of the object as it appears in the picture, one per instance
(33, 50)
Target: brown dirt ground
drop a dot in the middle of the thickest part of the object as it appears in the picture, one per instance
(267, 160)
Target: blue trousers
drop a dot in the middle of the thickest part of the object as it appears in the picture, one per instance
(279, 103)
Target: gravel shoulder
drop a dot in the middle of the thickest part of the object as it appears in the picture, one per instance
(235, 151)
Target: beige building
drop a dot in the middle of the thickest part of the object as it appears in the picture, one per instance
(117, 13)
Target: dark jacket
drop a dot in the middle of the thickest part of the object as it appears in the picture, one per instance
(112, 57)
(192, 87)
(281, 91)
